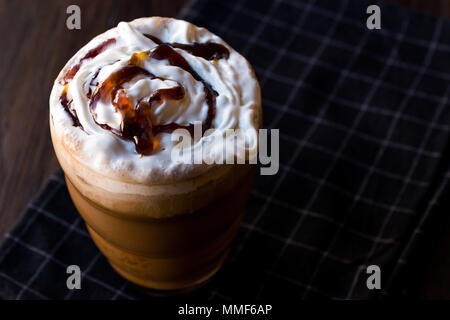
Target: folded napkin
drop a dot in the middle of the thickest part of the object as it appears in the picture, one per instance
(364, 124)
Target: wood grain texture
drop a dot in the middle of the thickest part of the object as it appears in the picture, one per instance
(35, 46)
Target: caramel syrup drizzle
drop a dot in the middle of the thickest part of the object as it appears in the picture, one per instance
(137, 124)
(208, 50)
(73, 71)
(89, 55)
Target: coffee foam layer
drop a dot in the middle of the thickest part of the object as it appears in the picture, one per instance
(130, 199)
(238, 104)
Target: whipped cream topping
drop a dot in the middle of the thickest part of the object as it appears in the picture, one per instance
(93, 126)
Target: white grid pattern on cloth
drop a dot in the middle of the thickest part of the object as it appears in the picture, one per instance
(338, 153)
(72, 227)
(298, 83)
(315, 215)
(21, 285)
(50, 254)
(379, 111)
(384, 32)
(284, 49)
(267, 73)
(33, 217)
(301, 143)
(254, 36)
(120, 291)
(340, 44)
(57, 219)
(275, 121)
(402, 260)
(64, 265)
(375, 86)
(414, 164)
(310, 62)
(89, 268)
(392, 62)
(265, 20)
(357, 163)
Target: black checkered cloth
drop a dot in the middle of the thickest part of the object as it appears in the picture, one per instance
(364, 125)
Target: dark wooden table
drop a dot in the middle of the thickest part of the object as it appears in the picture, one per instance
(35, 46)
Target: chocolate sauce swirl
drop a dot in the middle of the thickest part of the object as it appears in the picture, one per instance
(137, 124)
(66, 105)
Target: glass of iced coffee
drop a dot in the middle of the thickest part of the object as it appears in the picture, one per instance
(163, 221)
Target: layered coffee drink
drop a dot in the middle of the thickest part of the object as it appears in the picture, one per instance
(163, 223)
